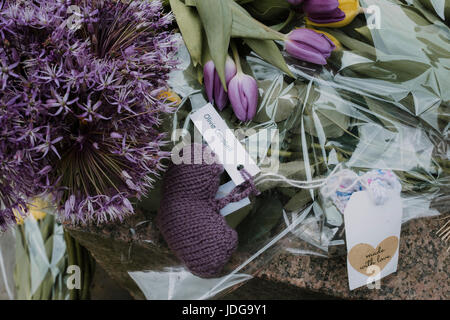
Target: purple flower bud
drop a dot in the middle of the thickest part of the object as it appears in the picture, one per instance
(214, 89)
(308, 45)
(243, 93)
(323, 11)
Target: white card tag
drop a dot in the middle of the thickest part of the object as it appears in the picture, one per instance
(223, 143)
(373, 236)
(223, 191)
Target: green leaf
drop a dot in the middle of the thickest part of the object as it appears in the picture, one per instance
(269, 10)
(206, 53)
(217, 19)
(269, 51)
(235, 218)
(22, 269)
(280, 26)
(360, 47)
(44, 292)
(278, 100)
(440, 7)
(294, 170)
(365, 32)
(257, 226)
(394, 71)
(325, 113)
(245, 26)
(298, 201)
(46, 226)
(390, 114)
(49, 246)
(241, 2)
(191, 28)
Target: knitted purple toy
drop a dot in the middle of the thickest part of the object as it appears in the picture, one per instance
(189, 217)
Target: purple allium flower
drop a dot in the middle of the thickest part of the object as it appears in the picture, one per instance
(80, 106)
(48, 144)
(52, 74)
(6, 72)
(90, 111)
(62, 103)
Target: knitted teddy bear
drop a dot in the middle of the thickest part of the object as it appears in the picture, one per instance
(189, 216)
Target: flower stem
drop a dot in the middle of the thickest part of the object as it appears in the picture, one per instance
(237, 60)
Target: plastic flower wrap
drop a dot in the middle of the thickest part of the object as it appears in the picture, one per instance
(226, 23)
(379, 104)
(82, 97)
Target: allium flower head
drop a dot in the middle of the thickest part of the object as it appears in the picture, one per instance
(80, 104)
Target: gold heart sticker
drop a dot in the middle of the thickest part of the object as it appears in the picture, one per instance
(363, 255)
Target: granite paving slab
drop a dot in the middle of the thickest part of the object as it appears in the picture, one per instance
(423, 273)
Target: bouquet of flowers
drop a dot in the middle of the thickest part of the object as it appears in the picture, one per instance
(358, 92)
(82, 96)
(355, 83)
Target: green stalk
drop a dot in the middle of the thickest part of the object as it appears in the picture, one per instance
(237, 60)
(71, 260)
(85, 289)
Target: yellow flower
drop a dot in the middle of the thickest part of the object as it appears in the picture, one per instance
(19, 215)
(35, 208)
(171, 96)
(351, 9)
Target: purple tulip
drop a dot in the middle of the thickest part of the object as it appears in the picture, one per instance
(320, 6)
(329, 17)
(308, 45)
(243, 93)
(214, 88)
(323, 11)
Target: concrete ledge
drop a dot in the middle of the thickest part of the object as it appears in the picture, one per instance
(135, 245)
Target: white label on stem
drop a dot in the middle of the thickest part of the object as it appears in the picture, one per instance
(224, 143)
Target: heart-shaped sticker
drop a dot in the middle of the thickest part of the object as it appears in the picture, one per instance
(363, 255)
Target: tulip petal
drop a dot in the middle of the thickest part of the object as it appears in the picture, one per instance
(220, 96)
(243, 94)
(213, 86)
(312, 38)
(208, 79)
(305, 52)
(320, 6)
(230, 70)
(251, 94)
(234, 93)
(308, 45)
(327, 17)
